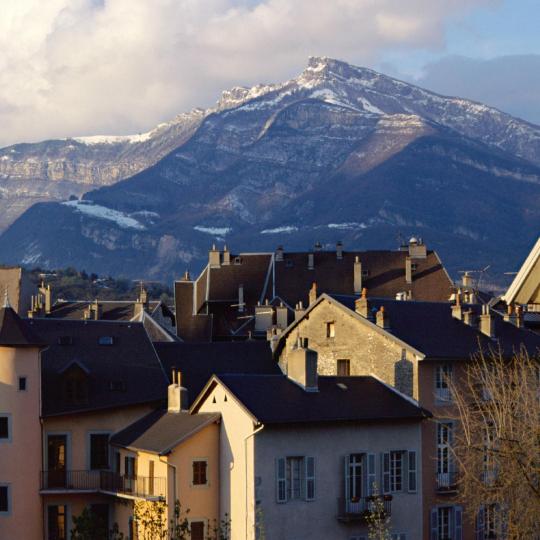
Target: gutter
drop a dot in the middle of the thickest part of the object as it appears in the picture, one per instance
(258, 430)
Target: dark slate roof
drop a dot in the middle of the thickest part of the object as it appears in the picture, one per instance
(128, 372)
(199, 361)
(275, 399)
(430, 328)
(112, 310)
(160, 431)
(16, 332)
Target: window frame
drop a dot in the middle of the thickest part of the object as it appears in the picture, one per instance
(7, 512)
(9, 438)
(393, 471)
(199, 460)
(89, 449)
(344, 362)
(444, 374)
(21, 378)
(330, 329)
(307, 479)
(67, 517)
(204, 521)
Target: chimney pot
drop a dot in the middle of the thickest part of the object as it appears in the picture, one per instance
(313, 293)
(357, 281)
(214, 257)
(339, 251)
(362, 307)
(279, 253)
(382, 318)
(226, 256)
(408, 270)
(487, 326)
(177, 395)
(311, 261)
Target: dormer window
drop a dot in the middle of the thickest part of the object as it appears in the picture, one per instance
(76, 386)
(106, 340)
(238, 260)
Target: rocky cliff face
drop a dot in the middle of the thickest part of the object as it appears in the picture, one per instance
(339, 152)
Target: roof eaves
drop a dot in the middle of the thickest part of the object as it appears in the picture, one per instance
(523, 273)
(210, 420)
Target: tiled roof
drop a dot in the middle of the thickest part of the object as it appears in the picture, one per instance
(199, 361)
(275, 399)
(111, 310)
(125, 372)
(16, 332)
(160, 431)
(430, 328)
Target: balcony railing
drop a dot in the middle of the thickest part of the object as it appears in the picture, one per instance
(104, 482)
(443, 394)
(446, 481)
(361, 509)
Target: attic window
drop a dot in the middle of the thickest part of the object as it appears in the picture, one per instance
(117, 386)
(289, 263)
(65, 340)
(238, 260)
(330, 329)
(414, 267)
(106, 340)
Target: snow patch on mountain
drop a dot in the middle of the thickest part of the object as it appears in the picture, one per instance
(102, 212)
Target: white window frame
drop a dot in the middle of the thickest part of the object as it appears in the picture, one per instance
(393, 471)
(196, 486)
(445, 447)
(9, 438)
(412, 471)
(9, 500)
(443, 375)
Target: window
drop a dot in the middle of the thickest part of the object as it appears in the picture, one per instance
(4, 499)
(5, 428)
(394, 474)
(295, 478)
(57, 522)
(238, 260)
(197, 530)
(76, 386)
(343, 368)
(396, 471)
(200, 469)
(412, 472)
(330, 330)
(443, 377)
(106, 340)
(446, 523)
(444, 458)
(355, 477)
(130, 467)
(99, 451)
(22, 384)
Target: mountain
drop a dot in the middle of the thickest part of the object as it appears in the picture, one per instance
(339, 152)
(58, 169)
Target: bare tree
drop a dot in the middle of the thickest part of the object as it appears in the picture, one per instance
(497, 444)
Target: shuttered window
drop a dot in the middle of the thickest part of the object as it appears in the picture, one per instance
(411, 472)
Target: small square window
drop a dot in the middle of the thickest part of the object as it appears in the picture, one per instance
(330, 330)
(199, 473)
(238, 260)
(22, 384)
(343, 368)
(4, 427)
(4, 499)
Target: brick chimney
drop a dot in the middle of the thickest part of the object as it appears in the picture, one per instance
(382, 318)
(46, 295)
(408, 270)
(226, 256)
(264, 315)
(186, 276)
(417, 248)
(514, 315)
(457, 310)
(279, 253)
(339, 251)
(282, 316)
(177, 395)
(362, 307)
(214, 258)
(311, 261)
(357, 275)
(487, 326)
(466, 280)
(302, 366)
(313, 293)
(299, 311)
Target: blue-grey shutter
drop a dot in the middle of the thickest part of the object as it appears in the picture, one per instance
(411, 472)
(371, 474)
(346, 477)
(385, 472)
(458, 522)
(434, 524)
(480, 517)
(281, 482)
(309, 478)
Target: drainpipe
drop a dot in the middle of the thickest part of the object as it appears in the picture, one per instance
(174, 482)
(258, 430)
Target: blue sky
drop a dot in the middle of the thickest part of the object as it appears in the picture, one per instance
(87, 67)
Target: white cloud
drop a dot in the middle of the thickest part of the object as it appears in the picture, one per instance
(83, 67)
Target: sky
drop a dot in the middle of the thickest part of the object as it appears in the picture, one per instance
(92, 67)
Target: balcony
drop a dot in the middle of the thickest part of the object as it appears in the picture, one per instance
(361, 509)
(107, 482)
(446, 482)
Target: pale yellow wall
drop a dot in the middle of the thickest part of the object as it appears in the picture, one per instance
(20, 459)
(369, 351)
(237, 476)
(78, 428)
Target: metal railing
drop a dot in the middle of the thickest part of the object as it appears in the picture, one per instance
(104, 481)
(362, 508)
(446, 481)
